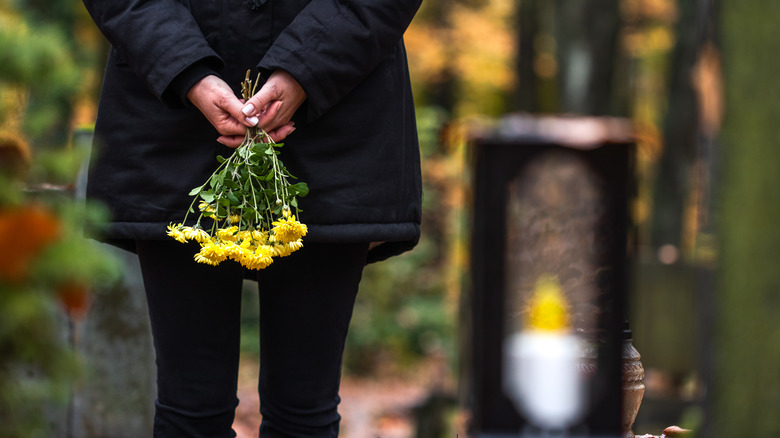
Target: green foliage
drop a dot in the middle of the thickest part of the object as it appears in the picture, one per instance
(45, 65)
(47, 270)
(41, 63)
(39, 58)
(401, 315)
(36, 366)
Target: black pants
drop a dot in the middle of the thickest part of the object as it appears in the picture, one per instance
(306, 302)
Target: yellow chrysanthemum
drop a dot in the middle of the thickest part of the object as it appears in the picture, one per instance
(176, 231)
(287, 248)
(233, 250)
(200, 258)
(281, 249)
(203, 206)
(288, 230)
(211, 253)
(264, 251)
(229, 234)
(234, 218)
(259, 259)
(260, 236)
(295, 245)
(196, 233)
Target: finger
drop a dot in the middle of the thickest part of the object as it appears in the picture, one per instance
(270, 119)
(231, 105)
(229, 126)
(282, 132)
(231, 141)
(256, 103)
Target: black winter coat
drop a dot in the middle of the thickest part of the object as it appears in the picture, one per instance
(355, 142)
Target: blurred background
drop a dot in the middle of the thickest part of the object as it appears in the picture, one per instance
(697, 80)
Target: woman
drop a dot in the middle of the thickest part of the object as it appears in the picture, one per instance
(337, 92)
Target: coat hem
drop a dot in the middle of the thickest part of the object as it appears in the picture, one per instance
(395, 238)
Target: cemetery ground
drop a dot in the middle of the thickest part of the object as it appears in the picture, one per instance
(381, 405)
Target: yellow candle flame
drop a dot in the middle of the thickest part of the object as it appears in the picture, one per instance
(548, 308)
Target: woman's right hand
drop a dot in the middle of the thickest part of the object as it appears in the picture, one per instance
(214, 98)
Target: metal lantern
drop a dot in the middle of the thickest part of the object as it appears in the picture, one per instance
(551, 198)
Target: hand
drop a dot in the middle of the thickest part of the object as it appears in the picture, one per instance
(214, 98)
(274, 105)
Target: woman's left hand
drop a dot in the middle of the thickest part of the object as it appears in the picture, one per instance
(274, 105)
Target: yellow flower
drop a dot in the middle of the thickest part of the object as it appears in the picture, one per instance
(260, 236)
(288, 229)
(234, 219)
(295, 245)
(259, 259)
(229, 234)
(287, 248)
(176, 231)
(196, 233)
(257, 237)
(233, 250)
(204, 206)
(200, 258)
(281, 249)
(211, 252)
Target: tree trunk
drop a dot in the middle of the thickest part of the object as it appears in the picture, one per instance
(746, 383)
(587, 41)
(527, 18)
(673, 178)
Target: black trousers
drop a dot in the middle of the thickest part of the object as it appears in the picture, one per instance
(306, 302)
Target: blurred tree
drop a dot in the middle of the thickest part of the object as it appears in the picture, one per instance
(526, 93)
(586, 34)
(567, 57)
(461, 54)
(674, 175)
(746, 384)
(47, 61)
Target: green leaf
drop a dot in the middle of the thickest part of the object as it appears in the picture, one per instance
(301, 188)
(195, 191)
(207, 196)
(230, 184)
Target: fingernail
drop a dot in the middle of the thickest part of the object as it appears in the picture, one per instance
(248, 110)
(219, 140)
(252, 120)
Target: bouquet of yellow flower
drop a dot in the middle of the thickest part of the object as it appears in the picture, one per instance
(248, 204)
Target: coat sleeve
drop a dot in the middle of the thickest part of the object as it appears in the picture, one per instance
(333, 44)
(158, 39)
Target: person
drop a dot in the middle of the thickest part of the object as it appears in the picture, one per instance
(336, 90)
